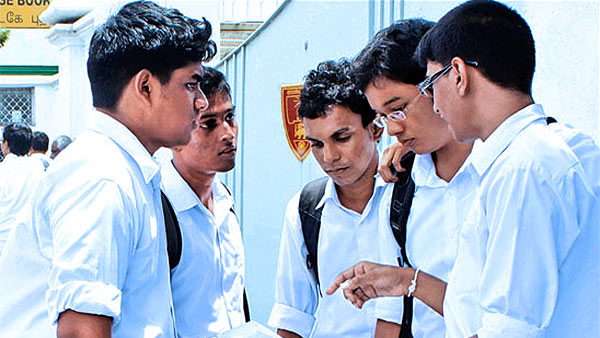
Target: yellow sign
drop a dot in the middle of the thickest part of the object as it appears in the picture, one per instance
(294, 129)
(22, 13)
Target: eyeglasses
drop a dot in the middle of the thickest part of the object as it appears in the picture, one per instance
(426, 87)
(397, 116)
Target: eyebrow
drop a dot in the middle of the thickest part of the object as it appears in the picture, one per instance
(228, 110)
(340, 131)
(196, 77)
(392, 100)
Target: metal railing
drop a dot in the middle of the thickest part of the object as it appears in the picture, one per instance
(248, 10)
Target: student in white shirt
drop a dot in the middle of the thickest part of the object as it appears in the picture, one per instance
(208, 282)
(39, 148)
(388, 75)
(526, 263)
(19, 176)
(91, 258)
(339, 125)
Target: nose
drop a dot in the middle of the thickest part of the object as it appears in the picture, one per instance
(395, 128)
(200, 101)
(230, 132)
(330, 153)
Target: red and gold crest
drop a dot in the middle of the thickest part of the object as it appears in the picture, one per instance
(294, 129)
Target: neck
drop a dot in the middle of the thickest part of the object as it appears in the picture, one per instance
(498, 105)
(130, 123)
(199, 182)
(355, 196)
(449, 158)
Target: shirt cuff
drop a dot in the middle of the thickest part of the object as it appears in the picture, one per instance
(291, 319)
(390, 309)
(85, 297)
(499, 325)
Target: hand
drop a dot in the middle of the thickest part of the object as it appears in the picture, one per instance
(391, 157)
(370, 280)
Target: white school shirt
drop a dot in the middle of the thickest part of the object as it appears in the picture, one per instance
(96, 243)
(436, 214)
(19, 176)
(585, 149)
(208, 282)
(345, 238)
(42, 158)
(528, 262)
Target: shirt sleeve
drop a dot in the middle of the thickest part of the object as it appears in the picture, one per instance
(530, 223)
(91, 248)
(296, 292)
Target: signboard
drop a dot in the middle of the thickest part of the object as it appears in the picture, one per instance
(22, 13)
(294, 129)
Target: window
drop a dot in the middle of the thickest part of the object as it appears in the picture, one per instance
(16, 105)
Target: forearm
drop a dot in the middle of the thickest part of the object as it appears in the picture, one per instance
(385, 329)
(287, 334)
(72, 324)
(430, 290)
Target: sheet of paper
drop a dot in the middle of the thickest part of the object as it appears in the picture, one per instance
(249, 330)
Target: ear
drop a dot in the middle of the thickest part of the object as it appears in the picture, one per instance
(462, 79)
(144, 84)
(376, 131)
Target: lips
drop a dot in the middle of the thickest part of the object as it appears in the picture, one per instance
(406, 142)
(336, 170)
(229, 151)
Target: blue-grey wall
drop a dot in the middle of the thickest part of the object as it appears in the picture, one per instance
(305, 32)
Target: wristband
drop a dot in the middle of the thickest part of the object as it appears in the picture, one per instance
(413, 284)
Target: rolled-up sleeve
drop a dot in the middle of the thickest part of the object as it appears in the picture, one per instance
(91, 240)
(296, 292)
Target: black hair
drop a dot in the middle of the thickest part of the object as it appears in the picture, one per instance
(390, 54)
(143, 35)
(490, 33)
(328, 85)
(213, 82)
(39, 141)
(18, 137)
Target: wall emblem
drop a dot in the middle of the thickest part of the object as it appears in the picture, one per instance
(294, 129)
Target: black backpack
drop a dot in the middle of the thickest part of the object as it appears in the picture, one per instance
(402, 196)
(174, 240)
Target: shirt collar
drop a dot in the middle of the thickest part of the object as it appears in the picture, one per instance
(331, 193)
(181, 196)
(485, 153)
(122, 136)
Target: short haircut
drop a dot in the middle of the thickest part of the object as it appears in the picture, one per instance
(213, 82)
(62, 142)
(390, 54)
(490, 33)
(39, 141)
(143, 35)
(330, 84)
(18, 137)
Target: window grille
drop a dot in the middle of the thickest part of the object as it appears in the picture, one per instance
(16, 105)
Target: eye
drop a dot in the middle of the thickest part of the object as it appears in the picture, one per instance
(230, 117)
(343, 138)
(192, 86)
(316, 144)
(208, 124)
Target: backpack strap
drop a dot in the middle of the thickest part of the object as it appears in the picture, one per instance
(310, 218)
(402, 195)
(173, 232)
(246, 306)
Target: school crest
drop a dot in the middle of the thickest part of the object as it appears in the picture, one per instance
(294, 129)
